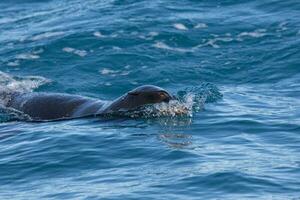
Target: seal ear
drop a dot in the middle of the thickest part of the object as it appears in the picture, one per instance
(133, 93)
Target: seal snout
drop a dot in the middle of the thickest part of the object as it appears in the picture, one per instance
(165, 97)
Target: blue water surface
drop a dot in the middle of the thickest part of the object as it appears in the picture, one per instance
(242, 57)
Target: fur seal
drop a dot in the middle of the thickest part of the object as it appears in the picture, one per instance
(56, 106)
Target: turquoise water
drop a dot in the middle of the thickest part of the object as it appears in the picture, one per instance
(235, 65)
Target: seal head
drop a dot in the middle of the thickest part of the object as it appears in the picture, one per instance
(140, 96)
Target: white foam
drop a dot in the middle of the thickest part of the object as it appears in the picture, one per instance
(114, 35)
(6, 20)
(10, 84)
(13, 63)
(134, 82)
(224, 39)
(153, 34)
(180, 26)
(256, 34)
(106, 71)
(39, 51)
(98, 34)
(27, 56)
(200, 25)
(80, 53)
(149, 36)
(124, 73)
(68, 49)
(143, 37)
(172, 109)
(282, 26)
(212, 43)
(161, 45)
(46, 35)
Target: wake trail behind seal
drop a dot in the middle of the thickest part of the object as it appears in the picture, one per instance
(13, 84)
(10, 85)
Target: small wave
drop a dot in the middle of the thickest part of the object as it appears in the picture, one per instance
(161, 45)
(200, 25)
(98, 34)
(153, 34)
(255, 34)
(106, 71)
(149, 36)
(176, 140)
(46, 35)
(13, 63)
(27, 56)
(282, 26)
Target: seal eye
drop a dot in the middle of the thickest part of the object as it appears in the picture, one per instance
(133, 93)
(162, 95)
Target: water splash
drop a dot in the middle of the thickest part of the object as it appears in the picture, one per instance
(13, 84)
(20, 84)
(188, 101)
(10, 114)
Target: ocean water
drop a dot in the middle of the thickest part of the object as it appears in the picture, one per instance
(234, 64)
